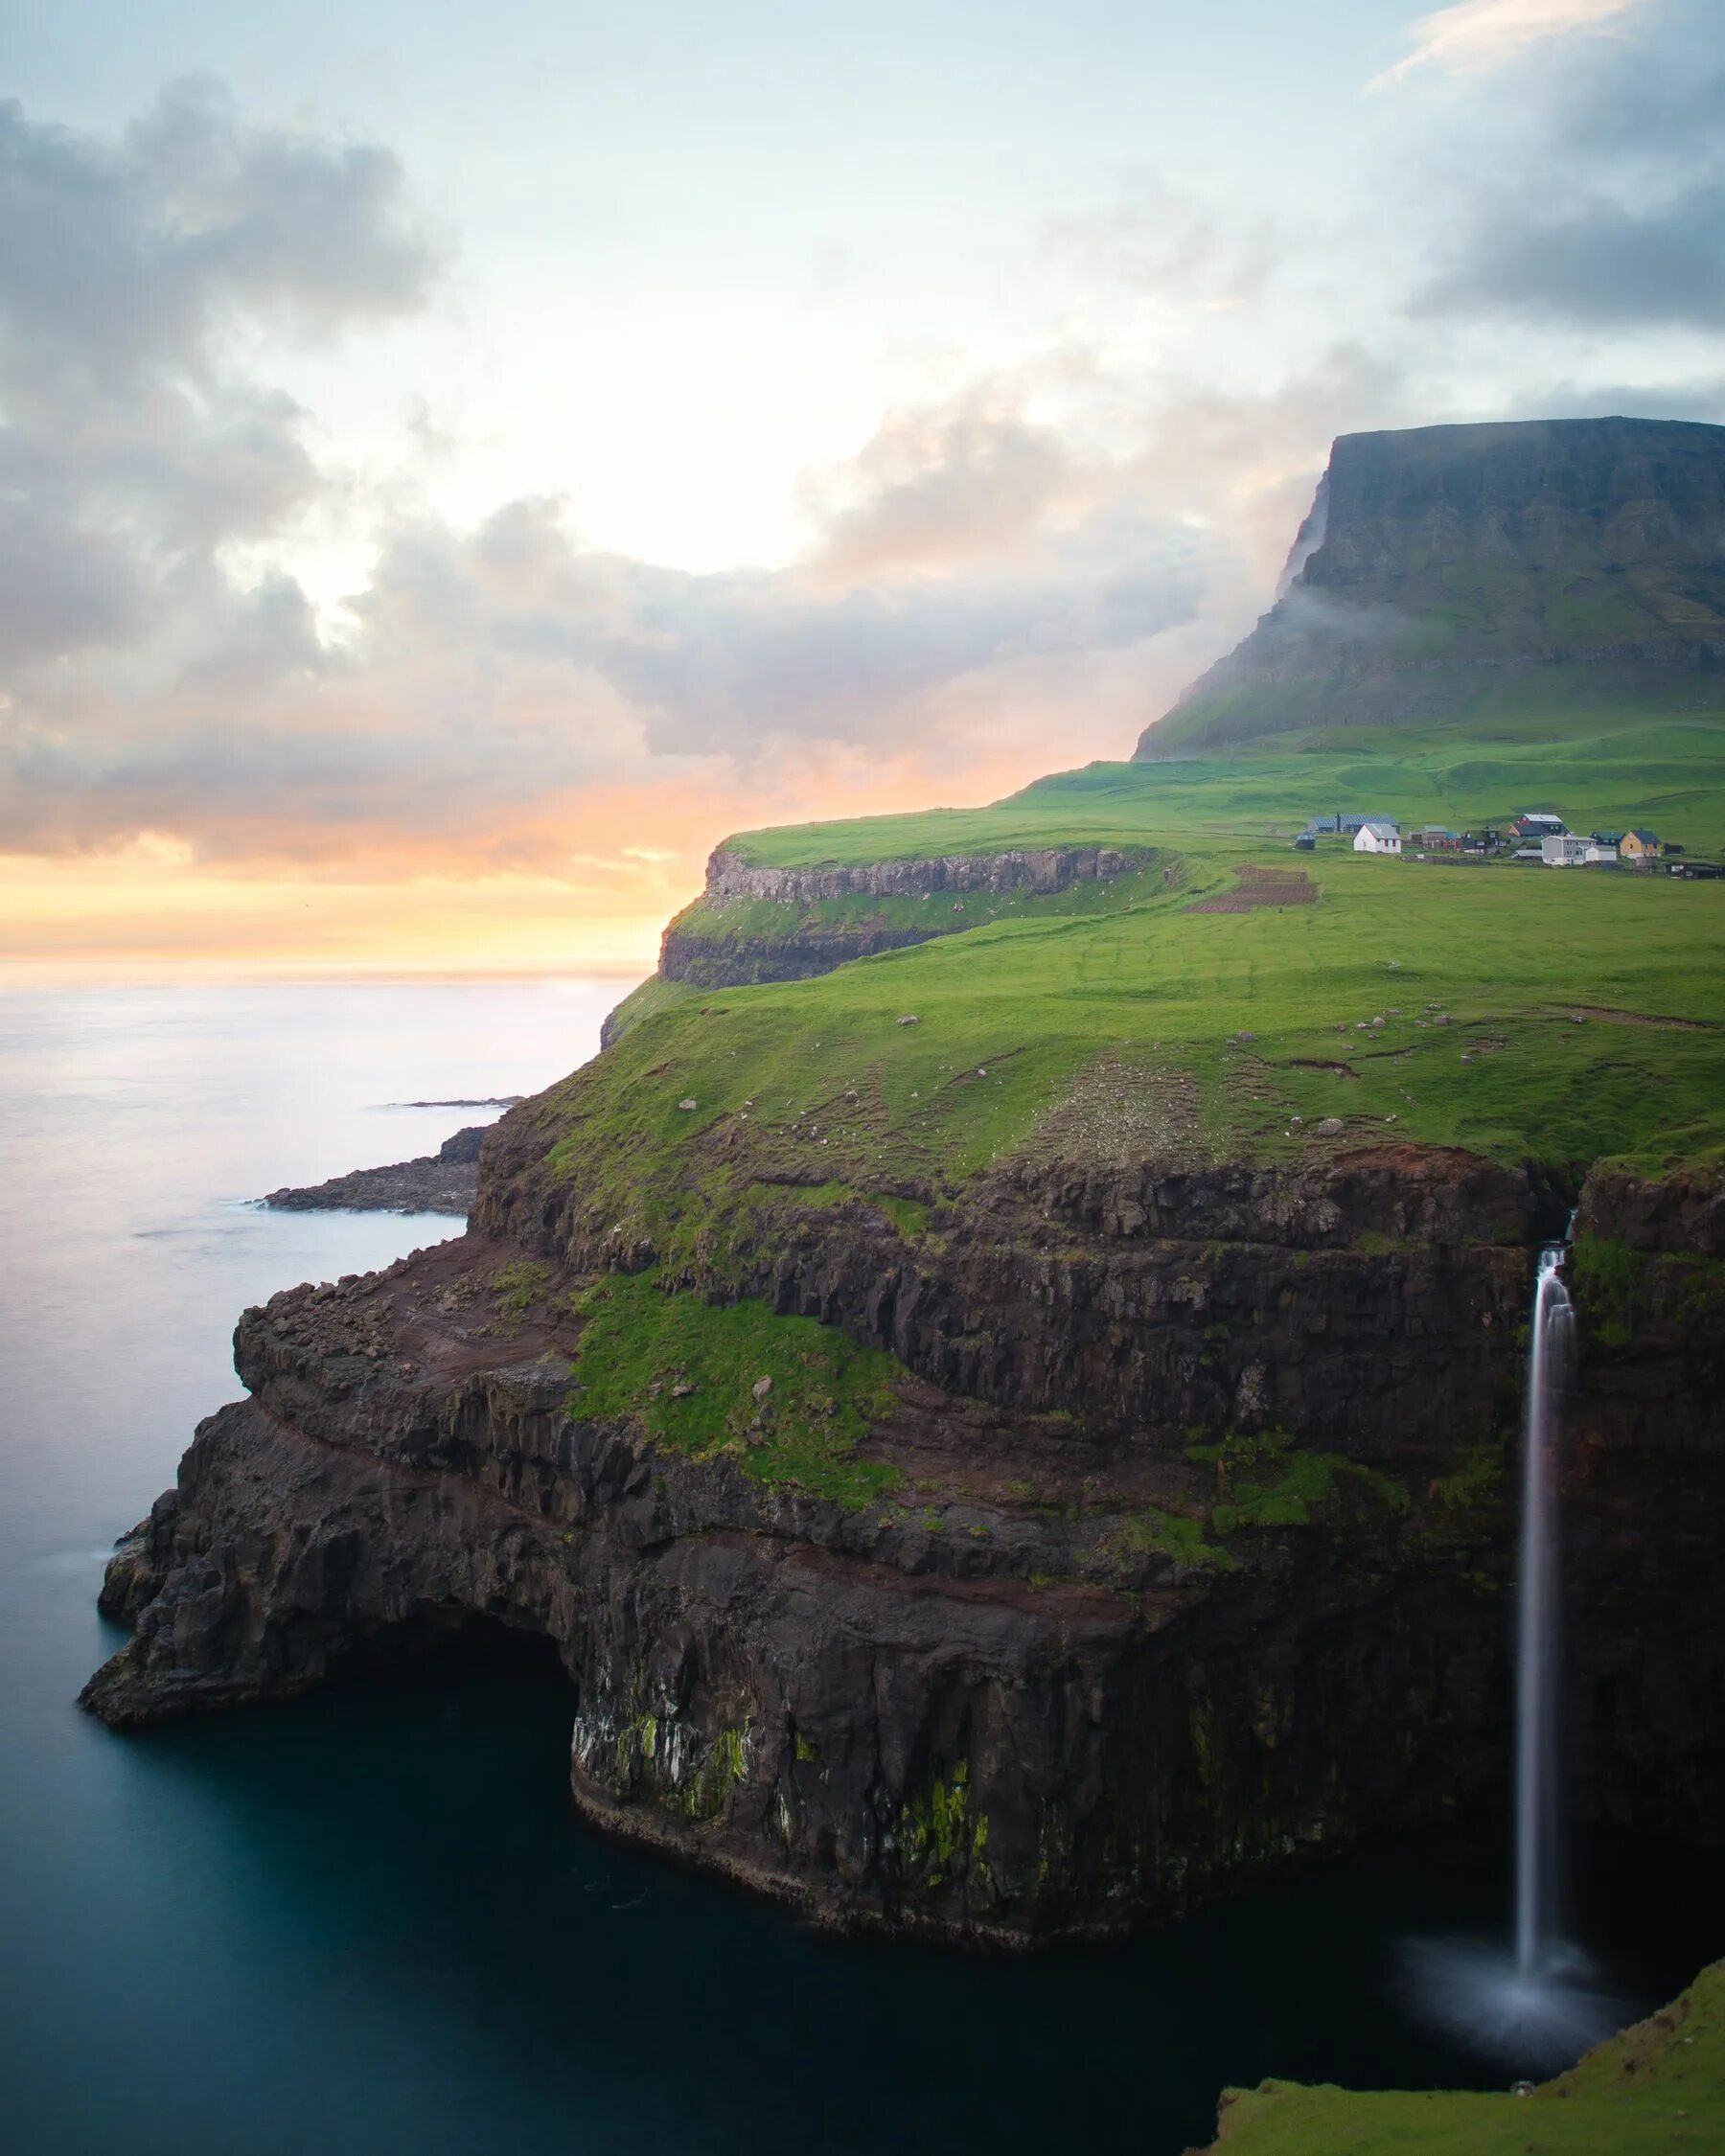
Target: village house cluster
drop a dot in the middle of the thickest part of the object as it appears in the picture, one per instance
(1537, 835)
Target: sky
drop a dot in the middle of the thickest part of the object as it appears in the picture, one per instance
(458, 462)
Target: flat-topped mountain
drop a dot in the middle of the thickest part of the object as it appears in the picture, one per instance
(1446, 571)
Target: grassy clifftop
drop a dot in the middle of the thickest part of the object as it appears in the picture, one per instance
(1669, 773)
(1434, 1000)
(1659, 2086)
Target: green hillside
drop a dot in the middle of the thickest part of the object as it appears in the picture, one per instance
(1669, 773)
(1522, 1012)
(1659, 2086)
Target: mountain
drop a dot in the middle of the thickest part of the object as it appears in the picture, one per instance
(1447, 572)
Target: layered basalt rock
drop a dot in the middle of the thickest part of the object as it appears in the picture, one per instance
(1447, 568)
(1161, 1295)
(1197, 1565)
(709, 946)
(1041, 868)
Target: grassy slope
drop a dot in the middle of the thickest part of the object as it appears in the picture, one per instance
(1669, 773)
(1661, 2085)
(1251, 713)
(1049, 1009)
(686, 1371)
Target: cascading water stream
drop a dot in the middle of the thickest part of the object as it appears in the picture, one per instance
(1551, 1353)
(1537, 2005)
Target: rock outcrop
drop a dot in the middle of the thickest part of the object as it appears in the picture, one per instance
(755, 923)
(443, 1181)
(1195, 1565)
(1041, 868)
(1536, 565)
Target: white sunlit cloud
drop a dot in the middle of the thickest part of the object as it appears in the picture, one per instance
(1478, 34)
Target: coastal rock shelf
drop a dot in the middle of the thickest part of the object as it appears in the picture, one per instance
(443, 1181)
(1186, 1558)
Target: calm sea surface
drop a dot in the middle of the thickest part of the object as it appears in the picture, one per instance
(368, 1922)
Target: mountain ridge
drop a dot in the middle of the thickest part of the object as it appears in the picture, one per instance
(1480, 569)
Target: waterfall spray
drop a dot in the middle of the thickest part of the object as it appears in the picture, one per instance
(1550, 1349)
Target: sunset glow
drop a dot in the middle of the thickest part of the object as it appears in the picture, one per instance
(458, 475)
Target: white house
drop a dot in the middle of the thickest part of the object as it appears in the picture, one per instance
(1377, 839)
(1565, 851)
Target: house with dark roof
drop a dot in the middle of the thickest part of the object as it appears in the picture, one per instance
(1639, 845)
(1350, 824)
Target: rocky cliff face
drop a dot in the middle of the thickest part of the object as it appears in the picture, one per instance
(1042, 869)
(758, 924)
(1448, 569)
(1196, 1562)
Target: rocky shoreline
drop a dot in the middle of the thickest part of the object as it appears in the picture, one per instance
(444, 1182)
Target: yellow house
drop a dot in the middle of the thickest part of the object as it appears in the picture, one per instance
(1639, 845)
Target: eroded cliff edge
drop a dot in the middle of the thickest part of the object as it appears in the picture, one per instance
(1181, 1551)
(754, 922)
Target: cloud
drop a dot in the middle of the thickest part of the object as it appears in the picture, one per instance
(982, 581)
(487, 685)
(140, 454)
(121, 262)
(1158, 244)
(489, 676)
(983, 584)
(1015, 574)
(134, 445)
(1598, 264)
(1606, 205)
(1479, 35)
(935, 486)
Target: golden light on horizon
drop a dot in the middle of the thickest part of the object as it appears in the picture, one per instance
(586, 891)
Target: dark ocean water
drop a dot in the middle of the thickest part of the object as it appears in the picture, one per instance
(368, 1922)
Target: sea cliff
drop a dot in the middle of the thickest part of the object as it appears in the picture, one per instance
(1001, 1382)
(1188, 1560)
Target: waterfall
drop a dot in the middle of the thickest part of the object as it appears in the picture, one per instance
(1538, 2004)
(1550, 1349)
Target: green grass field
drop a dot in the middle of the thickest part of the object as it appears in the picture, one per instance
(1667, 772)
(1661, 2085)
(687, 1371)
(1093, 1024)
